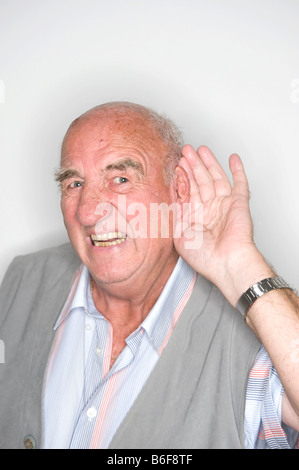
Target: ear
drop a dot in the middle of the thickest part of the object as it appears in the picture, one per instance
(181, 186)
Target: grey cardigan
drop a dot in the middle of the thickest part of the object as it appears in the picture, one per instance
(195, 396)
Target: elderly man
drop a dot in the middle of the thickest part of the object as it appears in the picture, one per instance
(128, 338)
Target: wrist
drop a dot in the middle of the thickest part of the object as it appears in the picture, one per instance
(243, 270)
(258, 290)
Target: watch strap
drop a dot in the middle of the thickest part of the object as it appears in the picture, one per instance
(258, 290)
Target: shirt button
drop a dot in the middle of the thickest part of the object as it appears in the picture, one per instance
(91, 413)
(99, 350)
(29, 442)
(87, 327)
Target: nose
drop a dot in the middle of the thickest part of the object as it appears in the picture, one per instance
(87, 213)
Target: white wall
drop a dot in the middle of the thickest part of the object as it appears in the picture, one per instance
(226, 71)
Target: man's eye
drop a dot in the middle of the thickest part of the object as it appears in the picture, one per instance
(75, 184)
(120, 180)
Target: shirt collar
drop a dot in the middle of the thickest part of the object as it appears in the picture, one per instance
(161, 313)
(161, 318)
(78, 295)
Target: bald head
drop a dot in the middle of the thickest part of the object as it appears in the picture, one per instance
(138, 117)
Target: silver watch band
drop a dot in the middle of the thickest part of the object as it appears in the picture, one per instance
(259, 289)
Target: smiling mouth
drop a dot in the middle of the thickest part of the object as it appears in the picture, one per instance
(108, 239)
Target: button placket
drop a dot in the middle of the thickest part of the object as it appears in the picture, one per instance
(99, 350)
(91, 413)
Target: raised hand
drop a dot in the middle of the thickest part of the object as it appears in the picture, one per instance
(227, 251)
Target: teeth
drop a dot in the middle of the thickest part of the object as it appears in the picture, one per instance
(115, 242)
(108, 236)
(108, 239)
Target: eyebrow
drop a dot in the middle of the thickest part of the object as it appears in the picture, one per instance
(122, 165)
(63, 174)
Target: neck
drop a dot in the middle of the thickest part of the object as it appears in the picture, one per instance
(126, 304)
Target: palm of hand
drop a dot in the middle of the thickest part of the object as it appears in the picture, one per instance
(220, 221)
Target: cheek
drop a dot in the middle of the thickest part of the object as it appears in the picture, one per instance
(144, 210)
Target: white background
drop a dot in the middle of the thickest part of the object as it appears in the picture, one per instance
(226, 71)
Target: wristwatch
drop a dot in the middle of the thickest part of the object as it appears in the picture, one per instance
(259, 289)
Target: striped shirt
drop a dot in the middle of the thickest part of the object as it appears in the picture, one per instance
(85, 401)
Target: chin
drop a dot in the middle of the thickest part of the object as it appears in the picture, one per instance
(109, 278)
(110, 271)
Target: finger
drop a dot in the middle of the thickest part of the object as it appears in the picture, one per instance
(240, 182)
(220, 180)
(200, 174)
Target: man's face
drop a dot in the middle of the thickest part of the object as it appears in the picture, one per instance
(108, 165)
